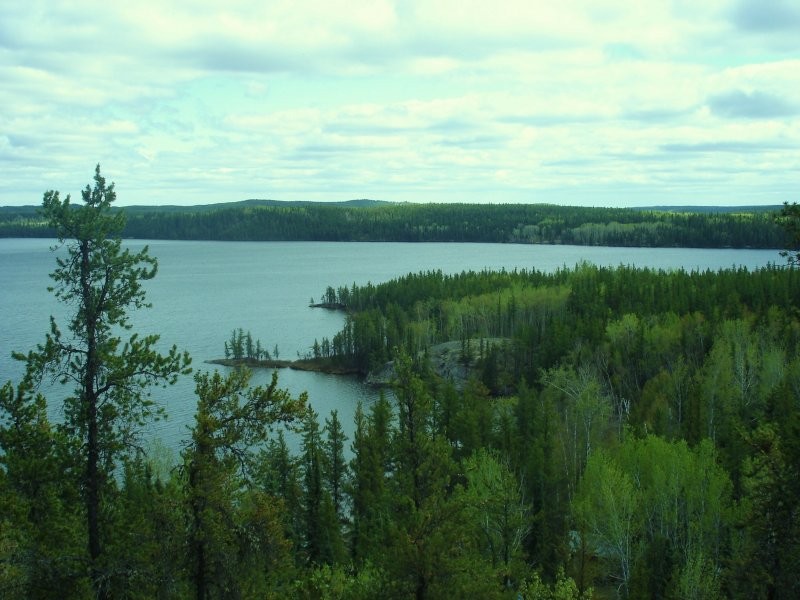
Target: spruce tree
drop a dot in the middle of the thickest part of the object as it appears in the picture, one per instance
(429, 549)
(369, 468)
(278, 475)
(323, 538)
(335, 466)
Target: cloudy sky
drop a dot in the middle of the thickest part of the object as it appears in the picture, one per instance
(592, 102)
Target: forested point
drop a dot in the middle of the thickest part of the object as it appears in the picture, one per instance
(650, 419)
(622, 433)
(368, 221)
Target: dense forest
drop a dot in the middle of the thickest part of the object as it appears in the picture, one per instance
(361, 221)
(628, 433)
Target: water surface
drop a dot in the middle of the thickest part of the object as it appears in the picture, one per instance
(204, 290)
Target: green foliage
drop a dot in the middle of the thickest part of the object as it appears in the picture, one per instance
(584, 412)
(789, 220)
(367, 488)
(111, 378)
(42, 533)
(766, 553)
(323, 542)
(496, 506)
(418, 222)
(617, 432)
(564, 588)
(429, 552)
(650, 493)
(149, 525)
(334, 467)
(228, 520)
(328, 582)
(242, 347)
(642, 321)
(609, 514)
(277, 473)
(537, 457)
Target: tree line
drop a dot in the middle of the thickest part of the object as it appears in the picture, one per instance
(619, 444)
(390, 222)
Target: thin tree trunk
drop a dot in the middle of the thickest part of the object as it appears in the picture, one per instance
(197, 542)
(92, 443)
(93, 498)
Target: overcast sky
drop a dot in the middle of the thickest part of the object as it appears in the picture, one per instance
(591, 102)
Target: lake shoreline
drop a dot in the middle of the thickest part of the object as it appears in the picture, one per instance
(325, 366)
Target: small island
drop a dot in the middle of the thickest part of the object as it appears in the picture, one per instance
(242, 350)
(318, 365)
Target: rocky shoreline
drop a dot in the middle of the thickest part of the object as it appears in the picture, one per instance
(446, 360)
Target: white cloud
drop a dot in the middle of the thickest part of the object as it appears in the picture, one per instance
(188, 102)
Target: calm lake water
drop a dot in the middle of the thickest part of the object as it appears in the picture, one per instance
(204, 290)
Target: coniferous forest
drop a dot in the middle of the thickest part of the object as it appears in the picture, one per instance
(617, 433)
(372, 221)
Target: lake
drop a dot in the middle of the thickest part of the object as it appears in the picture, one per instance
(205, 290)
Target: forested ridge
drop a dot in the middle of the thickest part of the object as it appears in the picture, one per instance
(634, 434)
(747, 227)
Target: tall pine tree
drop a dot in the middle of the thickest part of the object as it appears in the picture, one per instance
(102, 282)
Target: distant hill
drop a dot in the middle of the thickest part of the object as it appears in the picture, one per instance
(367, 220)
(250, 203)
(31, 210)
(27, 210)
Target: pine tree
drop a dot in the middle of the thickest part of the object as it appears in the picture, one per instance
(231, 420)
(111, 379)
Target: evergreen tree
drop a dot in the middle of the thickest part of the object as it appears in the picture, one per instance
(334, 465)
(150, 533)
(472, 422)
(369, 468)
(278, 475)
(231, 420)
(540, 463)
(39, 500)
(110, 401)
(789, 219)
(250, 351)
(429, 551)
(766, 553)
(323, 538)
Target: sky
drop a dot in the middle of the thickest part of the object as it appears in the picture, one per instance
(572, 102)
